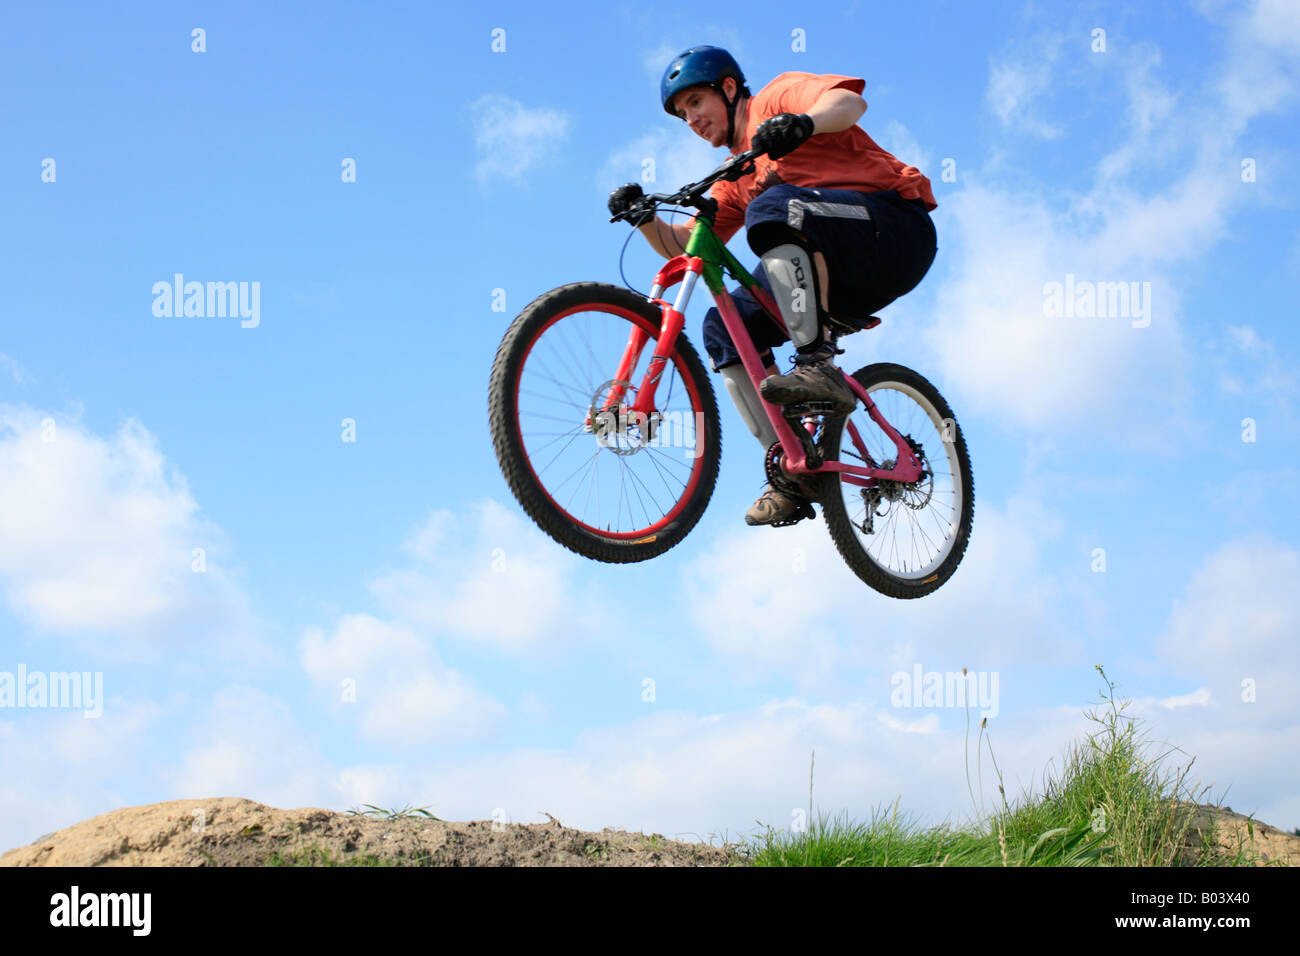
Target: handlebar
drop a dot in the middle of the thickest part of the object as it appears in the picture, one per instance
(742, 164)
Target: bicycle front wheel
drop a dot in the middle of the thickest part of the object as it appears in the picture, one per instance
(905, 539)
(601, 480)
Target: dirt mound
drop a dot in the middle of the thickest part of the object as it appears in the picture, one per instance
(228, 831)
(1249, 840)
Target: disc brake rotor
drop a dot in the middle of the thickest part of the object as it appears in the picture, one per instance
(913, 494)
(617, 427)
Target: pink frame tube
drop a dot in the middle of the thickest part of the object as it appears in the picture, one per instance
(907, 469)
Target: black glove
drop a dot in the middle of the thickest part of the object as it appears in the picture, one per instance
(779, 135)
(624, 198)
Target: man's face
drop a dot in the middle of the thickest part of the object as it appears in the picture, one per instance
(705, 112)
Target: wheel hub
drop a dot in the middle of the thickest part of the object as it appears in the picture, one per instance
(913, 494)
(619, 428)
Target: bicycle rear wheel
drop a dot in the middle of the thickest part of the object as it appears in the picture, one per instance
(602, 482)
(903, 539)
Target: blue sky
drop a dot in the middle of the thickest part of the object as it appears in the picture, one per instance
(1167, 157)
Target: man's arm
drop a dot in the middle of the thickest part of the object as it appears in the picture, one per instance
(666, 239)
(836, 110)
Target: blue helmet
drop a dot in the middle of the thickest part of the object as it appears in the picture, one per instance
(703, 64)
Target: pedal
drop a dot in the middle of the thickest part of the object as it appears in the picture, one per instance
(799, 409)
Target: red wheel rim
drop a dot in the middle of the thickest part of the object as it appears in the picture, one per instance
(606, 370)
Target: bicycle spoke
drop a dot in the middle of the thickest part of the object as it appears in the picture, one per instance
(637, 480)
(576, 395)
(549, 418)
(561, 452)
(637, 491)
(660, 471)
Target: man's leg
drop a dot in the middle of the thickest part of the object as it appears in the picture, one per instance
(726, 360)
(823, 279)
(772, 506)
(747, 402)
(802, 299)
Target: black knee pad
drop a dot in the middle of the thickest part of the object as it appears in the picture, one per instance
(763, 237)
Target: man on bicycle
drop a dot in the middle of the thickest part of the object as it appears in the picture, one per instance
(842, 228)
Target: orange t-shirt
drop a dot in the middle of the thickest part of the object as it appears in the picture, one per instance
(849, 159)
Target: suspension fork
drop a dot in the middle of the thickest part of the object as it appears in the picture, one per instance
(685, 269)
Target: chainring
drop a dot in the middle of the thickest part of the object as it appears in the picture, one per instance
(780, 482)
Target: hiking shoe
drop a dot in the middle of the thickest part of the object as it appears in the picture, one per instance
(779, 509)
(814, 378)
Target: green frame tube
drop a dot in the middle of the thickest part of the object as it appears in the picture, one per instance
(705, 244)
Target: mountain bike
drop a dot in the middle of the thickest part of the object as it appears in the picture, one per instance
(606, 427)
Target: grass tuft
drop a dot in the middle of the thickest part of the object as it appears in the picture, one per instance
(408, 811)
(1113, 803)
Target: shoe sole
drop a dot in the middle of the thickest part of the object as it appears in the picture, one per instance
(776, 395)
(803, 513)
(804, 510)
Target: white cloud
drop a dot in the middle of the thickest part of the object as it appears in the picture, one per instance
(899, 141)
(1262, 371)
(675, 157)
(1149, 111)
(1263, 68)
(16, 372)
(1017, 80)
(1198, 698)
(1239, 621)
(535, 708)
(1006, 244)
(491, 578)
(247, 743)
(97, 535)
(61, 768)
(656, 59)
(821, 625)
(1003, 346)
(404, 694)
(512, 140)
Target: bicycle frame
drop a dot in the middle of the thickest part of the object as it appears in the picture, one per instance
(707, 256)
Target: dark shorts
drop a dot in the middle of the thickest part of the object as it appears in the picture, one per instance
(878, 246)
